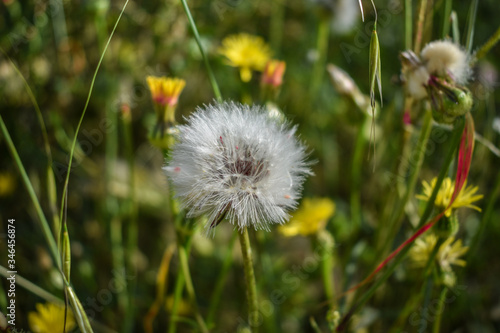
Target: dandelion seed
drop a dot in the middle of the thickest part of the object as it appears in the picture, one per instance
(246, 52)
(443, 57)
(237, 163)
(441, 60)
(49, 318)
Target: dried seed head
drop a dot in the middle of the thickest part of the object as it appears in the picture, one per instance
(233, 161)
(443, 57)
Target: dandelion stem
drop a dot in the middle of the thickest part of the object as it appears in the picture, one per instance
(179, 286)
(440, 309)
(246, 250)
(211, 75)
(183, 258)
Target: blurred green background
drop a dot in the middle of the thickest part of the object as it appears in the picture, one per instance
(57, 44)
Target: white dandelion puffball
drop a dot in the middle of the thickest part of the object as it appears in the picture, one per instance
(234, 161)
(445, 57)
(416, 81)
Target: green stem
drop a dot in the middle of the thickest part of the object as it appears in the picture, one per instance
(471, 22)
(440, 309)
(492, 199)
(49, 237)
(251, 286)
(73, 145)
(321, 48)
(408, 24)
(327, 273)
(446, 18)
(409, 307)
(454, 27)
(132, 227)
(426, 291)
(455, 142)
(420, 26)
(221, 281)
(415, 167)
(428, 282)
(47, 296)
(51, 186)
(276, 24)
(211, 75)
(183, 258)
(179, 287)
(488, 45)
(356, 174)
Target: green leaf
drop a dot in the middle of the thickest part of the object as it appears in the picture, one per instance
(375, 67)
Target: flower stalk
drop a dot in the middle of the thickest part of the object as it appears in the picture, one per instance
(246, 250)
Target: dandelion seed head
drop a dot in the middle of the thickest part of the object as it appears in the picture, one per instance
(416, 82)
(443, 57)
(236, 161)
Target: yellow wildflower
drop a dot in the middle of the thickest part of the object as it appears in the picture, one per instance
(464, 199)
(311, 217)
(7, 183)
(165, 90)
(49, 318)
(246, 52)
(449, 252)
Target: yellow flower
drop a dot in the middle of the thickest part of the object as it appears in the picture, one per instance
(7, 184)
(165, 90)
(464, 199)
(49, 318)
(246, 52)
(311, 216)
(448, 254)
